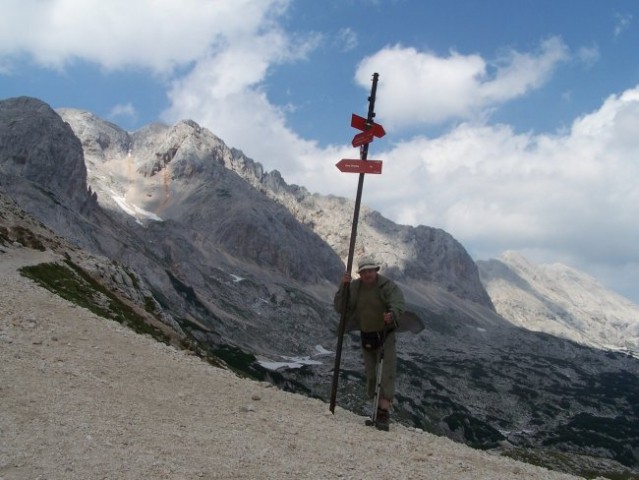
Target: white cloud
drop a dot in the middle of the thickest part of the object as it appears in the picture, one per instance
(572, 194)
(123, 110)
(622, 23)
(589, 55)
(346, 40)
(423, 88)
(121, 33)
(224, 92)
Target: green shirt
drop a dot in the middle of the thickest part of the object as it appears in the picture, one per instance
(370, 309)
(389, 297)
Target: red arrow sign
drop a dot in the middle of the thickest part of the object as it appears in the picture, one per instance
(363, 138)
(359, 166)
(360, 124)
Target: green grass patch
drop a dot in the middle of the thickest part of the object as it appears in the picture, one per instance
(72, 283)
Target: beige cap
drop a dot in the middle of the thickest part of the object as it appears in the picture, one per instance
(366, 263)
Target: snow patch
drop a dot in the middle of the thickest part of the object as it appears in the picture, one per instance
(290, 362)
(294, 362)
(321, 351)
(136, 212)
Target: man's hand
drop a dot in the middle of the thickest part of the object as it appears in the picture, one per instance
(388, 318)
(346, 279)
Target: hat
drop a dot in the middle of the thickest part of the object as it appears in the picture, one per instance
(366, 263)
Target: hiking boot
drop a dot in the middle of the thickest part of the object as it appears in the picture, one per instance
(382, 420)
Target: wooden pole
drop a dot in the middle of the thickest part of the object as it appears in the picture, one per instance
(351, 249)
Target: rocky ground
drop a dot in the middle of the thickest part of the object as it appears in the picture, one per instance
(82, 397)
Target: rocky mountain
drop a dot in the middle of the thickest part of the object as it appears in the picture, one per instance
(174, 233)
(561, 301)
(179, 174)
(170, 169)
(59, 160)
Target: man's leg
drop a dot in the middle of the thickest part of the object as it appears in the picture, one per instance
(370, 368)
(388, 383)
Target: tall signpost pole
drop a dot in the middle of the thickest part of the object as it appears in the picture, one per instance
(369, 130)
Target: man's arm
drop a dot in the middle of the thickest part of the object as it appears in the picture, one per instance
(396, 304)
(338, 300)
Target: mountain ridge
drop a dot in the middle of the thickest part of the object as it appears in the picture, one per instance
(394, 245)
(562, 301)
(472, 375)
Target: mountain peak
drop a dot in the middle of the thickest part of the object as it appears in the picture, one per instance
(37, 146)
(561, 300)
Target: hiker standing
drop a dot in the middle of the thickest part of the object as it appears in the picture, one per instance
(375, 303)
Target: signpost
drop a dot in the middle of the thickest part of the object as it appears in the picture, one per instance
(363, 124)
(362, 138)
(359, 166)
(369, 129)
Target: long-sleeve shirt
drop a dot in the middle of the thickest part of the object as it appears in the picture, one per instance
(366, 306)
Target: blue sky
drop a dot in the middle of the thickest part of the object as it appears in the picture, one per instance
(510, 124)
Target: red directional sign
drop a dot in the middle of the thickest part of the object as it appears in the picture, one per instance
(363, 138)
(360, 124)
(359, 166)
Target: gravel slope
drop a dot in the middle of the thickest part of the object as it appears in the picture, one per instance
(82, 397)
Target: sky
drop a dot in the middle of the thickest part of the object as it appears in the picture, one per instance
(512, 125)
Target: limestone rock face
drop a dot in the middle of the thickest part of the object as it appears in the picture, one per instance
(562, 301)
(415, 255)
(187, 174)
(37, 146)
(179, 173)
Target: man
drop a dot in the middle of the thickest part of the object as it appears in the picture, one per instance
(375, 303)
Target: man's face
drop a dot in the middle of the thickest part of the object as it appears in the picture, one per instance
(368, 276)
